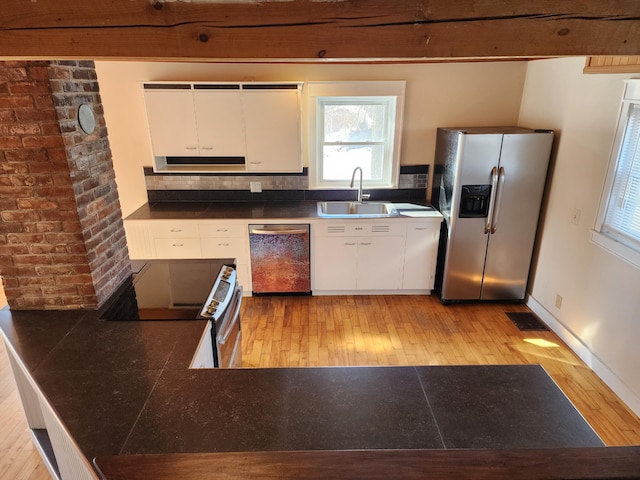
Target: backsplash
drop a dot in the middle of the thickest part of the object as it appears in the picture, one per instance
(412, 186)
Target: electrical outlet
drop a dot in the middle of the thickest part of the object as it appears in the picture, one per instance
(558, 302)
(256, 187)
(575, 217)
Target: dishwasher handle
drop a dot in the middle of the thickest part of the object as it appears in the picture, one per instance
(279, 231)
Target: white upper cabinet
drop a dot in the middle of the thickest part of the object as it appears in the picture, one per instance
(230, 127)
(172, 121)
(219, 120)
(272, 121)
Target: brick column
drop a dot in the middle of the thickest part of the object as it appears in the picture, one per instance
(62, 243)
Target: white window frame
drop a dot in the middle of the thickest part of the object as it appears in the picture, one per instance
(624, 248)
(319, 93)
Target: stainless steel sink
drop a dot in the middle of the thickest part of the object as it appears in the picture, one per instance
(356, 209)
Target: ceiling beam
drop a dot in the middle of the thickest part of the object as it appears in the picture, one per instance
(317, 29)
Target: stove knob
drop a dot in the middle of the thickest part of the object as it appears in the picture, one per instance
(211, 309)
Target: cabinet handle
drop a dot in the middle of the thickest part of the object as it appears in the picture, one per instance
(222, 230)
(191, 147)
(421, 228)
(349, 243)
(207, 148)
(178, 245)
(223, 244)
(365, 243)
(255, 163)
(175, 230)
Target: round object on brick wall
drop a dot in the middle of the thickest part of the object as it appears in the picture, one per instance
(86, 118)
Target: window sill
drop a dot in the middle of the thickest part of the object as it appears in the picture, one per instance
(616, 248)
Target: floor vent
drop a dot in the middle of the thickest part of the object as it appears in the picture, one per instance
(526, 321)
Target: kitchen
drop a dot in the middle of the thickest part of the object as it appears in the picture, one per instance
(528, 87)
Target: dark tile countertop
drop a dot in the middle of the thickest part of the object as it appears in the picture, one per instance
(304, 209)
(225, 210)
(125, 388)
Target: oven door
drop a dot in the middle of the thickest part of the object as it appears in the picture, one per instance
(227, 336)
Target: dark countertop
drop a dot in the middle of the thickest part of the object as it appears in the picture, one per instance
(225, 210)
(125, 388)
(243, 210)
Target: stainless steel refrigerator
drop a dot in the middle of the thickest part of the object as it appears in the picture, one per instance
(488, 185)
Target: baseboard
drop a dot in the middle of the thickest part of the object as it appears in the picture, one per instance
(586, 355)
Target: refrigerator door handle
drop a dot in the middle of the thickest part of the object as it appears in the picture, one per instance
(492, 197)
(496, 209)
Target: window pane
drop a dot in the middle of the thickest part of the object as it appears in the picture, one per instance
(623, 212)
(354, 123)
(339, 161)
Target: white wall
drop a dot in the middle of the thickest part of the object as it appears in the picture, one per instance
(437, 95)
(599, 314)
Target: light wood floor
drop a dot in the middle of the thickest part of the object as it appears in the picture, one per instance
(373, 330)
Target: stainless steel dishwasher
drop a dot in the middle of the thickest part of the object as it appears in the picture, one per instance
(280, 259)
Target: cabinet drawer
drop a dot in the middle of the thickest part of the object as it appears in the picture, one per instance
(224, 247)
(173, 230)
(222, 230)
(177, 247)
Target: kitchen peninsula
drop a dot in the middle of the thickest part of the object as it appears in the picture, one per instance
(116, 389)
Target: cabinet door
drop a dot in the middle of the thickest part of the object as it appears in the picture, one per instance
(172, 122)
(219, 122)
(379, 267)
(138, 240)
(420, 254)
(272, 123)
(334, 265)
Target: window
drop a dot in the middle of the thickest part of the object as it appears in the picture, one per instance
(354, 124)
(618, 225)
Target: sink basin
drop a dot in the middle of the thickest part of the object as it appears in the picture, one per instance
(355, 209)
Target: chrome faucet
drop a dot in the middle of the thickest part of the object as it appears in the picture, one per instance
(353, 177)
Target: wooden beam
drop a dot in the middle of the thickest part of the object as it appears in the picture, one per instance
(317, 29)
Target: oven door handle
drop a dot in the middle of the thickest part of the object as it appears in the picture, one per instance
(288, 231)
(229, 325)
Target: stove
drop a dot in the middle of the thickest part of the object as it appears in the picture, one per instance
(169, 290)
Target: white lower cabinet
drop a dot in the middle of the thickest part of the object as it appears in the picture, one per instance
(420, 255)
(378, 265)
(396, 255)
(191, 239)
(357, 263)
(334, 263)
(177, 248)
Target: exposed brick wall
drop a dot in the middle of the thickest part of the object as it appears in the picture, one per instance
(62, 243)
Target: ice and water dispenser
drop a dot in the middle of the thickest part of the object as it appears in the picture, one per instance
(474, 201)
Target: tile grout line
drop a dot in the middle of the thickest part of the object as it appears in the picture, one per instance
(146, 400)
(426, 397)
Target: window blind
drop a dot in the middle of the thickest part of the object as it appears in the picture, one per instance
(622, 218)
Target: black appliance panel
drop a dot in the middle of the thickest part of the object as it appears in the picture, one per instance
(474, 201)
